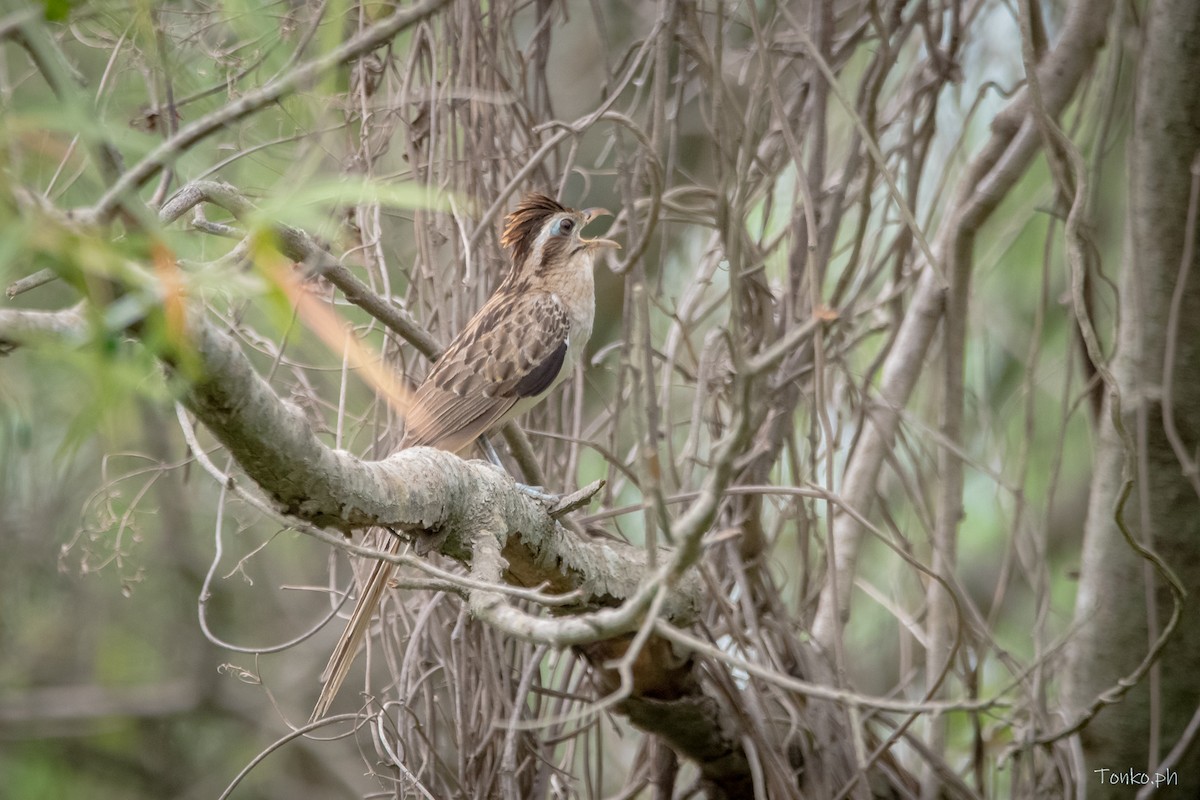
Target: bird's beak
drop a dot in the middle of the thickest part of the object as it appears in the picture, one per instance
(590, 214)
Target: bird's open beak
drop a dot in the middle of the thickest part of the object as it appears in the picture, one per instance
(590, 214)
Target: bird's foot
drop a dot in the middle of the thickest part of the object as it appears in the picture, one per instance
(486, 445)
(559, 504)
(538, 493)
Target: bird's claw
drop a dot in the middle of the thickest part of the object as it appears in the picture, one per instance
(558, 505)
(538, 493)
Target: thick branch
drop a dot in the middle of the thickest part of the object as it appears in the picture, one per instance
(474, 513)
(1122, 607)
(20, 327)
(415, 490)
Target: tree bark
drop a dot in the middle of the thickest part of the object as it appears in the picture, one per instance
(1117, 585)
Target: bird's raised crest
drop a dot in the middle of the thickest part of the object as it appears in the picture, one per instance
(522, 226)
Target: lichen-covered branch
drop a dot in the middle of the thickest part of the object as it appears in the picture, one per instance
(470, 511)
(414, 490)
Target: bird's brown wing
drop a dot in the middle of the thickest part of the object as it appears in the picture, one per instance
(512, 349)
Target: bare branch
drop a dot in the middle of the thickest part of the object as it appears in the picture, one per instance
(992, 173)
(373, 37)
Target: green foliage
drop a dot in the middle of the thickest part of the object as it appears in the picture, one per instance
(310, 205)
(57, 10)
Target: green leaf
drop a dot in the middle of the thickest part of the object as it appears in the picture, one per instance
(56, 10)
(297, 207)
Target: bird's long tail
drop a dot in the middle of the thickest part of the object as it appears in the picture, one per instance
(356, 628)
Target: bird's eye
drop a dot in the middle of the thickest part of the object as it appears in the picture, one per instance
(563, 227)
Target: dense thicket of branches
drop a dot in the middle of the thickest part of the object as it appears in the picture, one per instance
(841, 393)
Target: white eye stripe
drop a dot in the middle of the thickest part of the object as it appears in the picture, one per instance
(548, 231)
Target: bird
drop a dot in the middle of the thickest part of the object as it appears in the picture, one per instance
(522, 343)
